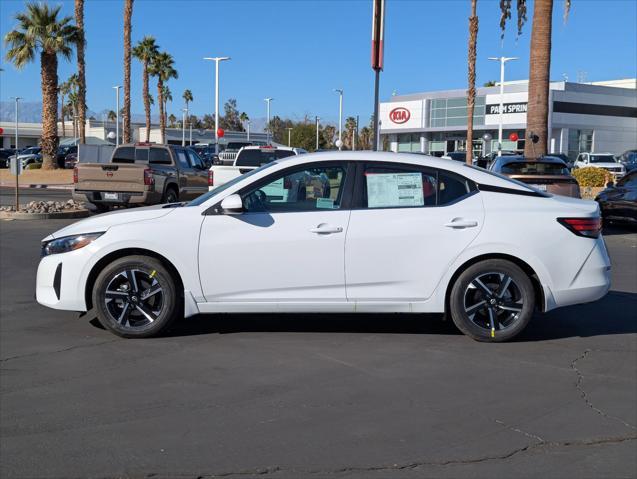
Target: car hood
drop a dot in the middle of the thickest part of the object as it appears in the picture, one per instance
(103, 222)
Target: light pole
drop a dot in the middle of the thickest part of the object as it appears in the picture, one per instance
(183, 126)
(248, 123)
(17, 164)
(502, 61)
(117, 115)
(289, 135)
(267, 125)
(340, 116)
(190, 127)
(317, 132)
(216, 60)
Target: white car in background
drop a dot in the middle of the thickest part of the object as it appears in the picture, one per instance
(601, 160)
(399, 233)
(249, 158)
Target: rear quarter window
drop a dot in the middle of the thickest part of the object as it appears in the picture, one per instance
(124, 154)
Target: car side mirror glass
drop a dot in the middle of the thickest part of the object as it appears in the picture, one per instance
(232, 205)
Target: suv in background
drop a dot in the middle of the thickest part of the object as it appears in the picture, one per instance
(606, 161)
(228, 155)
(629, 159)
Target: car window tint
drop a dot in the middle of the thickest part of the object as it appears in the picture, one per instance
(386, 187)
(183, 161)
(159, 156)
(255, 157)
(194, 159)
(299, 189)
(451, 188)
(124, 154)
(283, 154)
(534, 168)
(141, 155)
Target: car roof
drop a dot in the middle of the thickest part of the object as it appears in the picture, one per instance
(267, 147)
(542, 159)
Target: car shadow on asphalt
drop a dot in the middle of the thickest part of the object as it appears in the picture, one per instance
(614, 314)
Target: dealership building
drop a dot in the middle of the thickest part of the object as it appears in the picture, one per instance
(597, 117)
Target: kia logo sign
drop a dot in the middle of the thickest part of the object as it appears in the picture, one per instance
(399, 115)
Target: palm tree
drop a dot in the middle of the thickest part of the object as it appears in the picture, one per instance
(350, 132)
(63, 89)
(144, 51)
(40, 30)
(128, 13)
(539, 70)
(162, 67)
(471, 91)
(151, 99)
(74, 97)
(172, 118)
(79, 21)
(187, 96)
(111, 115)
(168, 96)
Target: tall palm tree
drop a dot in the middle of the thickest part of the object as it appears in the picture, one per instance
(471, 91)
(168, 96)
(79, 21)
(40, 31)
(187, 96)
(74, 97)
(162, 67)
(128, 14)
(539, 70)
(144, 51)
(172, 118)
(63, 89)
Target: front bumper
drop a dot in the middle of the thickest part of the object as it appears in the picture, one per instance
(59, 281)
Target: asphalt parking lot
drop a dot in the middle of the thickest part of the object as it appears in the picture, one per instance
(309, 395)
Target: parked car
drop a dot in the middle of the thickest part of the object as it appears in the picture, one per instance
(229, 153)
(63, 151)
(206, 152)
(32, 154)
(141, 174)
(564, 157)
(628, 159)
(5, 157)
(601, 160)
(486, 160)
(393, 233)
(456, 156)
(70, 161)
(546, 173)
(249, 158)
(618, 202)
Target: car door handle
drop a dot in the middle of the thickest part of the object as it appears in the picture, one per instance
(324, 229)
(459, 223)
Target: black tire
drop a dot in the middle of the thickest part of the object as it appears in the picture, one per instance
(119, 299)
(101, 208)
(507, 308)
(171, 195)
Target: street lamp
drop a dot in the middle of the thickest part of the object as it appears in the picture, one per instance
(317, 132)
(267, 125)
(216, 60)
(340, 116)
(502, 61)
(289, 135)
(183, 126)
(17, 162)
(248, 123)
(117, 115)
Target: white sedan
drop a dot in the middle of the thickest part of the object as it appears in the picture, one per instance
(392, 233)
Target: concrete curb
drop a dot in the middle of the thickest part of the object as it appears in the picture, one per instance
(19, 215)
(50, 187)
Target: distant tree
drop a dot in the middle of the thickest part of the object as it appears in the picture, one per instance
(172, 118)
(151, 100)
(111, 115)
(162, 67)
(145, 51)
(195, 122)
(365, 138)
(168, 97)
(230, 120)
(63, 89)
(489, 83)
(40, 31)
(208, 122)
(328, 133)
(303, 135)
(350, 132)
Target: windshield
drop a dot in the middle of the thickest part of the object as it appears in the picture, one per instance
(31, 151)
(255, 157)
(534, 168)
(602, 159)
(203, 198)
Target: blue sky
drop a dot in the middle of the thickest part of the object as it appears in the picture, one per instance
(298, 51)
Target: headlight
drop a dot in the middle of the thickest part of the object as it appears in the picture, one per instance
(68, 243)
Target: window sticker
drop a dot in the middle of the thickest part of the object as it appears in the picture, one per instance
(327, 203)
(276, 191)
(394, 189)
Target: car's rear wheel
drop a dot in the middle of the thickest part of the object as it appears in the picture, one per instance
(136, 297)
(171, 196)
(492, 300)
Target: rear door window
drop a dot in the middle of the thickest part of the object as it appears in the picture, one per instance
(195, 161)
(390, 187)
(159, 156)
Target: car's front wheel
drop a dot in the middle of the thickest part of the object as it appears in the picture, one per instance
(136, 297)
(492, 300)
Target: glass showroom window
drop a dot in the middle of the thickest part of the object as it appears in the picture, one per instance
(579, 141)
(409, 143)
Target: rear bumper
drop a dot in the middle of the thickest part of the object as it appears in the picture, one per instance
(590, 283)
(124, 197)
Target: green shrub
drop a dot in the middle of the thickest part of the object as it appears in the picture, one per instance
(591, 176)
(33, 166)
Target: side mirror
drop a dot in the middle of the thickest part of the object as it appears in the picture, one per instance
(232, 205)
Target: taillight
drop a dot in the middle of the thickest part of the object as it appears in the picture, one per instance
(211, 177)
(148, 177)
(587, 227)
(75, 175)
